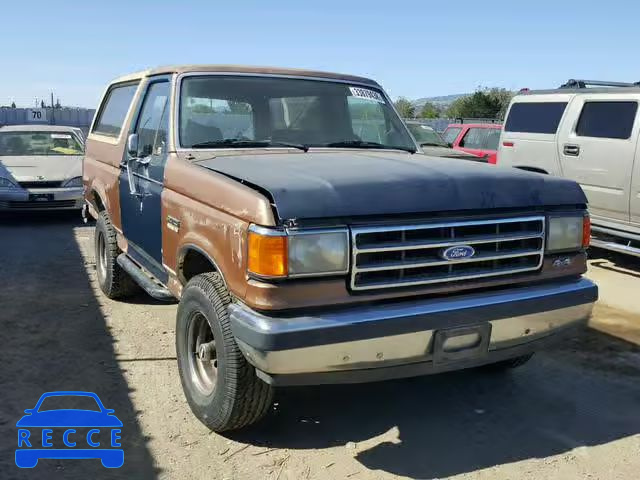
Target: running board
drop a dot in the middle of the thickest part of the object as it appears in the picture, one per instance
(615, 233)
(149, 283)
(615, 247)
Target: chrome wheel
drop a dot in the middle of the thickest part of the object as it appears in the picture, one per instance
(202, 357)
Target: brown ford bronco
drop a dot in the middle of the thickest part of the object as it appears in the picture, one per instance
(308, 242)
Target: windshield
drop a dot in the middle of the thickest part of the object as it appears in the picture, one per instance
(425, 134)
(234, 111)
(65, 402)
(39, 143)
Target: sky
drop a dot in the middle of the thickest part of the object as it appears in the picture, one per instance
(413, 48)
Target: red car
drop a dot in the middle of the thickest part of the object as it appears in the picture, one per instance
(476, 138)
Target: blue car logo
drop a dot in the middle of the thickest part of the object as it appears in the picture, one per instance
(92, 432)
(458, 252)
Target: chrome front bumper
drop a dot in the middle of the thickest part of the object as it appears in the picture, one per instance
(19, 199)
(408, 338)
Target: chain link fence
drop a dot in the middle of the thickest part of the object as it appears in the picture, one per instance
(440, 124)
(72, 117)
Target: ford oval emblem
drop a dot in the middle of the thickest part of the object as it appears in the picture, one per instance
(458, 252)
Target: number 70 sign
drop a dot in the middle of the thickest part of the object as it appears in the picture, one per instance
(36, 115)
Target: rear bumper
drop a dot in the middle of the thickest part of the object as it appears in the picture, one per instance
(18, 199)
(408, 338)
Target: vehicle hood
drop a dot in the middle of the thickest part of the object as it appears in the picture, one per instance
(69, 418)
(353, 183)
(32, 168)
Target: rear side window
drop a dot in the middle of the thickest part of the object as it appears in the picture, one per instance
(607, 119)
(474, 138)
(533, 117)
(450, 134)
(114, 110)
(493, 138)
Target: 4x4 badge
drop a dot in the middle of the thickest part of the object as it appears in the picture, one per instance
(173, 223)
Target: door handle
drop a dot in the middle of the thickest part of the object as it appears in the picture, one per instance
(571, 150)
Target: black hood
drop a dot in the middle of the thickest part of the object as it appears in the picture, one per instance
(353, 183)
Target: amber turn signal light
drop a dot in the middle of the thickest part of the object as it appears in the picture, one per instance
(586, 231)
(268, 255)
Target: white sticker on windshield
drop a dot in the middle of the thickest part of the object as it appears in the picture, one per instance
(366, 93)
(61, 135)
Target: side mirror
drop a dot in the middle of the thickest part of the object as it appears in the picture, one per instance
(109, 411)
(450, 145)
(29, 411)
(132, 145)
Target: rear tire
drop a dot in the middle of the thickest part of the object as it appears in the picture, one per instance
(509, 364)
(113, 280)
(221, 387)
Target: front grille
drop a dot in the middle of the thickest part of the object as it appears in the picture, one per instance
(39, 205)
(408, 255)
(40, 184)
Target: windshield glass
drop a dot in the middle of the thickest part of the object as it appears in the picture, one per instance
(232, 111)
(425, 134)
(39, 143)
(65, 402)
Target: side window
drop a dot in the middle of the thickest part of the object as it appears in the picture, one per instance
(152, 135)
(493, 139)
(114, 110)
(535, 117)
(367, 119)
(607, 119)
(474, 138)
(450, 134)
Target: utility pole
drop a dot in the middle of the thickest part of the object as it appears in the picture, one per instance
(53, 111)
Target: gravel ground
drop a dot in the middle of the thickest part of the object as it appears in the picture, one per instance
(571, 413)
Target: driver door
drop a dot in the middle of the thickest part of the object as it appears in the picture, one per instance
(142, 176)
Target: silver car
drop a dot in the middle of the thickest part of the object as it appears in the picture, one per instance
(40, 168)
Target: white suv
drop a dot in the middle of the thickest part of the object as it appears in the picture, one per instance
(586, 131)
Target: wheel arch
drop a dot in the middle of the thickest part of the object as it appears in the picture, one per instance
(193, 260)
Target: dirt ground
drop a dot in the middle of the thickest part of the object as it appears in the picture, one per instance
(571, 413)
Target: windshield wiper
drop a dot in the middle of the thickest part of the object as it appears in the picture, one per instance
(433, 144)
(236, 142)
(363, 144)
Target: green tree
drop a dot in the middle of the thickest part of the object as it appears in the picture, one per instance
(405, 108)
(483, 103)
(429, 110)
(202, 108)
(13, 104)
(501, 97)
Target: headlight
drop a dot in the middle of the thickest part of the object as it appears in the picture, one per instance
(6, 183)
(568, 233)
(274, 253)
(74, 182)
(313, 253)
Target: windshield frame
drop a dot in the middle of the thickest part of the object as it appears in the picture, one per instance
(175, 134)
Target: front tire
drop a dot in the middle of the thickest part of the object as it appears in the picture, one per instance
(113, 280)
(221, 387)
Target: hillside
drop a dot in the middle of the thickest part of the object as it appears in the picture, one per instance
(443, 101)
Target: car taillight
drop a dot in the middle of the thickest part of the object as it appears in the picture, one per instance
(586, 231)
(507, 144)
